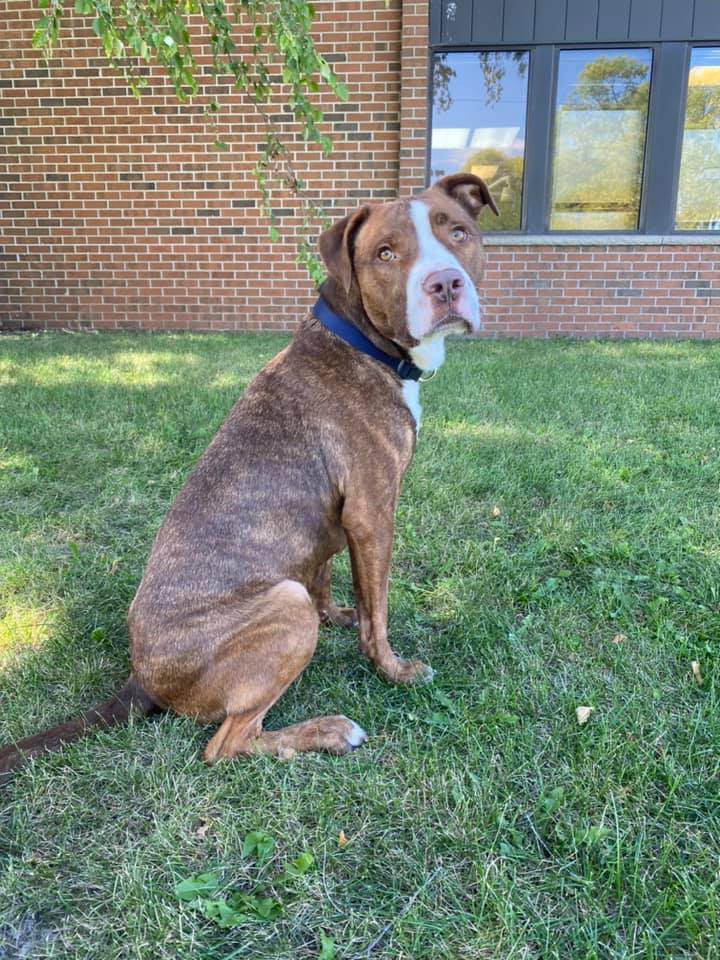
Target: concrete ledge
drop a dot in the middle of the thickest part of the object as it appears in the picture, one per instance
(600, 240)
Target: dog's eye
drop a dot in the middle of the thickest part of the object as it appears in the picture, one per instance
(385, 254)
(459, 234)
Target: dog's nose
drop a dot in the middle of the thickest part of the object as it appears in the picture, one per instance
(444, 286)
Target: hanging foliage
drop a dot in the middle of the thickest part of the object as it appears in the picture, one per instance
(137, 33)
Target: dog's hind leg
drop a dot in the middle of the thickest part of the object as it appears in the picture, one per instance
(273, 647)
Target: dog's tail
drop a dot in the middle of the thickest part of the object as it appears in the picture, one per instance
(114, 711)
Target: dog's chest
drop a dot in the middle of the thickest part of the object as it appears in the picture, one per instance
(411, 399)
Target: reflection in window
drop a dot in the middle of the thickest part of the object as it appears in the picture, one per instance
(600, 120)
(478, 125)
(698, 204)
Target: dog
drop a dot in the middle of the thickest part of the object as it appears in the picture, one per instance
(309, 460)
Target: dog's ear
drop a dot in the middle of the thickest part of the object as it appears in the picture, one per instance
(336, 246)
(469, 191)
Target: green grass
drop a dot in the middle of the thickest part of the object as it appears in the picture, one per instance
(562, 493)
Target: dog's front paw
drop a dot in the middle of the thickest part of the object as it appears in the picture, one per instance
(338, 735)
(409, 671)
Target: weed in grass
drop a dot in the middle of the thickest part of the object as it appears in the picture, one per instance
(202, 891)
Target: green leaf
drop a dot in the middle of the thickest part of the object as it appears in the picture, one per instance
(439, 720)
(267, 908)
(303, 863)
(594, 835)
(550, 802)
(259, 843)
(197, 885)
(327, 947)
(84, 6)
(298, 867)
(444, 699)
(223, 914)
(255, 908)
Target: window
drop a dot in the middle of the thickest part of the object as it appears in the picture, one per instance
(478, 125)
(599, 144)
(698, 203)
(584, 116)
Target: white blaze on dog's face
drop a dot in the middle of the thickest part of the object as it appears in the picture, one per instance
(416, 265)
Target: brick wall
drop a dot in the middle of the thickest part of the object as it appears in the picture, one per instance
(117, 214)
(413, 96)
(643, 290)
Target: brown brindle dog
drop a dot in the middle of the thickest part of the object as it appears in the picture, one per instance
(309, 460)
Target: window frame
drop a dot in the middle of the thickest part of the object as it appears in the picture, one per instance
(663, 133)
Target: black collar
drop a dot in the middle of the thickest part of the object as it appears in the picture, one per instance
(405, 369)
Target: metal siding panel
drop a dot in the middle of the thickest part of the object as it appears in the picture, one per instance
(541, 96)
(582, 21)
(550, 21)
(456, 21)
(645, 17)
(519, 21)
(662, 150)
(613, 20)
(487, 22)
(435, 21)
(677, 19)
(706, 25)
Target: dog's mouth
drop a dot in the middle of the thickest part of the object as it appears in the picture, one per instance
(453, 322)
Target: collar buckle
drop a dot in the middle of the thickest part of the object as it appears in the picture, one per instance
(407, 370)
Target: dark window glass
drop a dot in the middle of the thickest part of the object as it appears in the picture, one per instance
(478, 125)
(599, 142)
(698, 204)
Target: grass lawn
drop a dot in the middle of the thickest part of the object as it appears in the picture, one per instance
(557, 545)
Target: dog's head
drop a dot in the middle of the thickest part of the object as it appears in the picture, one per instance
(414, 266)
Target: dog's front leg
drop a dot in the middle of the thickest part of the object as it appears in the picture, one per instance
(370, 551)
(327, 609)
